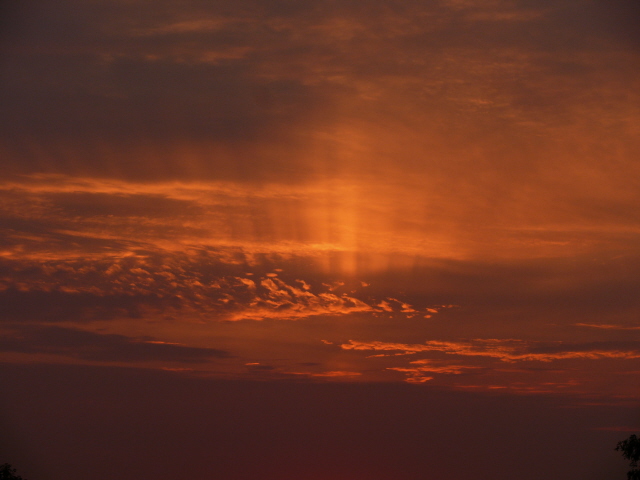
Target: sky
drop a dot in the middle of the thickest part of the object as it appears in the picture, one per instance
(347, 240)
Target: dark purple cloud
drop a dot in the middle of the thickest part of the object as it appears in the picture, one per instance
(100, 347)
(63, 306)
(105, 81)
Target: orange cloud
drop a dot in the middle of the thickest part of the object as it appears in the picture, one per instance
(607, 326)
(336, 373)
(419, 373)
(506, 350)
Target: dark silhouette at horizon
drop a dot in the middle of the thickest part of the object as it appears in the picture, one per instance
(7, 472)
(630, 449)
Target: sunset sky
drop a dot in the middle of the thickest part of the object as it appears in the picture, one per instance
(319, 240)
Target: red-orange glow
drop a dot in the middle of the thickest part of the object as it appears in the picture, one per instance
(342, 197)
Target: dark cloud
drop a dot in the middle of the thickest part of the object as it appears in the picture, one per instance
(65, 306)
(581, 285)
(44, 236)
(89, 85)
(83, 205)
(93, 346)
(619, 20)
(108, 81)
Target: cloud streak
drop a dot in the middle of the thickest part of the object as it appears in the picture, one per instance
(508, 350)
(91, 346)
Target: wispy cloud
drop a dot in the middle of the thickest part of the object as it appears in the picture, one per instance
(419, 370)
(607, 326)
(508, 350)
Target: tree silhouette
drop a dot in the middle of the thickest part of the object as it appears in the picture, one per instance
(9, 473)
(630, 449)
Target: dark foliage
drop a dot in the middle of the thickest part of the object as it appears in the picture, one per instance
(630, 449)
(9, 473)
